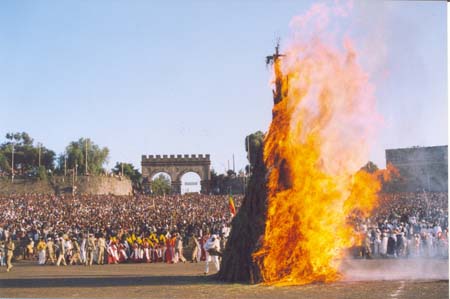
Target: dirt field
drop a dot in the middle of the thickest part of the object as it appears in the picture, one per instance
(399, 279)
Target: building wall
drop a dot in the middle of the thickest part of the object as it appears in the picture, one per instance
(104, 185)
(421, 168)
(84, 185)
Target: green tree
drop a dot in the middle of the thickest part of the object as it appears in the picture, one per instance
(76, 156)
(26, 155)
(161, 185)
(4, 164)
(370, 167)
(22, 138)
(129, 171)
(252, 142)
(231, 173)
(225, 183)
(41, 173)
(60, 164)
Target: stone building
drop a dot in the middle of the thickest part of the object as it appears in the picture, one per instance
(176, 166)
(421, 168)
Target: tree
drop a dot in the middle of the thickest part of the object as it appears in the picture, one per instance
(4, 164)
(22, 138)
(129, 171)
(214, 182)
(249, 223)
(161, 185)
(370, 167)
(76, 156)
(227, 183)
(231, 173)
(26, 155)
(252, 141)
(41, 173)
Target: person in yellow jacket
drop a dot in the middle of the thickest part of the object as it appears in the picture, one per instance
(162, 238)
(162, 248)
(41, 249)
(153, 237)
(30, 249)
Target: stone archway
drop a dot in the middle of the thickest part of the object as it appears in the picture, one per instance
(175, 167)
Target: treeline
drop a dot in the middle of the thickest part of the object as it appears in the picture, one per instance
(21, 156)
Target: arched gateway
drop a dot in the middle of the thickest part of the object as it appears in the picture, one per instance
(175, 167)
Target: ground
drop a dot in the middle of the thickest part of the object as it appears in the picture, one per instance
(365, 279)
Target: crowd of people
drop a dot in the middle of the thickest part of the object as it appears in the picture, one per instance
(407, 224)
(102, 229)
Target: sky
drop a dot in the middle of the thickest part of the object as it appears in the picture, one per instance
(189, 77)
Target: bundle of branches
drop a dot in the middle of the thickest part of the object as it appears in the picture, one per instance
(248, 225)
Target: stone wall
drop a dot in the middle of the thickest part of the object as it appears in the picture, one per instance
(104, 185)
(24, 186)
(421, 168)
(58, 185)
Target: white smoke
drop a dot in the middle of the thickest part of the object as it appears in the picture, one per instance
(395, 269)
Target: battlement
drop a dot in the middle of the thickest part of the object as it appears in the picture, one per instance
(176, 166)
(175, 158)
(417, 155)
(421, 168)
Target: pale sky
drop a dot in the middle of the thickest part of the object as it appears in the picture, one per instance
(189, 77)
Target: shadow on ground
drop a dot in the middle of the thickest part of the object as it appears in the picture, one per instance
(107, 281)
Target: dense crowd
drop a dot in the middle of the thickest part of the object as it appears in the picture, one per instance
(407, 225)
(117, 229)
(113, 229)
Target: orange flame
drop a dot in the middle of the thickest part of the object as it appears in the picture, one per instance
(317, 142)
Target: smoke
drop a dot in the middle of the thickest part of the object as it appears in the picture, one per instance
(333, 67)
(390, 269)
(363, 26)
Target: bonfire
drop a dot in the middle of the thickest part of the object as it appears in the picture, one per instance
(324, 118)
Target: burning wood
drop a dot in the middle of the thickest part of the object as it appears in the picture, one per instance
(324, 116)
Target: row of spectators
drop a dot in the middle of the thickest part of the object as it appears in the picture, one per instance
(36, 216)
(89, 249)
(407, 225)
(154, 229)
(127, 221)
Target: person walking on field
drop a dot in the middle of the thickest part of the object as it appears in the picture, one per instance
(195, 248)
(30, 249)
(61, 252)
(51, 251)
(10, 247)
(76, 257)
(212, 248)
(2, 254)
(179, 248)
(101, 250)
(90, 248)
(83, 249)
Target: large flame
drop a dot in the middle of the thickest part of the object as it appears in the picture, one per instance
(317, 142)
